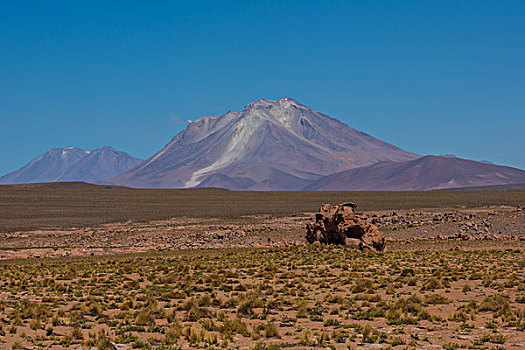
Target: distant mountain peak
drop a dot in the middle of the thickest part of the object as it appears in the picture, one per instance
(72, 163)
(67, 149)
(291, 139)
(283, 103)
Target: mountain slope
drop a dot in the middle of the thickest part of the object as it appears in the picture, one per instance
(72, 164)
(101, 164)
(257, 178)
(282, 135)
(426, 173)
(47, 167)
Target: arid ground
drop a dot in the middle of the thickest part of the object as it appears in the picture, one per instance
(109, 268)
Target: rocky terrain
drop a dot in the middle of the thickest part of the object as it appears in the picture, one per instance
(412, 228)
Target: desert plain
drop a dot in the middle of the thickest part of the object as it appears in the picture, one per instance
(101, 267)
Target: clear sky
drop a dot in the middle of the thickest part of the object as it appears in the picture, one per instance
(432, 77)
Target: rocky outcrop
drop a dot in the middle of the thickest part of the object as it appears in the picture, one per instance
(342, 225)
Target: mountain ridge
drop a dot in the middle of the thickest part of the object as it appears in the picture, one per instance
(72, 164)
(268, 145)
(284, 134)
(99, 165)
(425, 173)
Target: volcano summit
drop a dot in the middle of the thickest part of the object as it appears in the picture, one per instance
(269, 145)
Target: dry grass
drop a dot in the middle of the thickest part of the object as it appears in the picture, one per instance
(310, 296)
(39, 208)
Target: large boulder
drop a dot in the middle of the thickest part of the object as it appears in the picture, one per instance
(341, 225)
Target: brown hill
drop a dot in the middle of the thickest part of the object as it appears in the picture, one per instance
(426, 173)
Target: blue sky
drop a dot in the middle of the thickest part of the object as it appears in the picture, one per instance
(432, 77)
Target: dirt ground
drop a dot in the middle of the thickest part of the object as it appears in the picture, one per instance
(488, 224)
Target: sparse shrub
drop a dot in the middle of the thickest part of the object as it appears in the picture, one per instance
(436, 299)
(271, 330)
(363, 285)
(35, 324)
(497, 303)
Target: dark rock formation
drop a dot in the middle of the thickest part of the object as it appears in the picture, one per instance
(341, 225)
